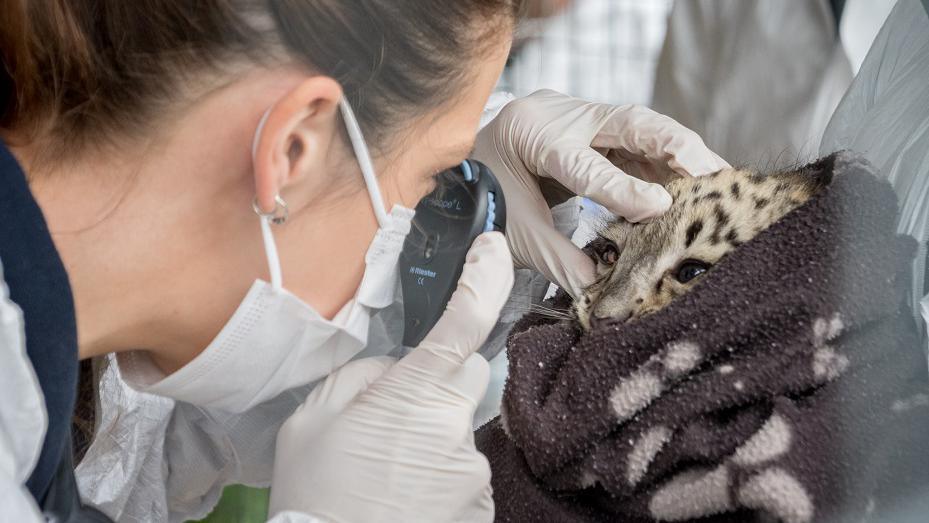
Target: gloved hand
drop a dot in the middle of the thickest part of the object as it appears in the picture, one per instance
(599, 151)
(383, 441)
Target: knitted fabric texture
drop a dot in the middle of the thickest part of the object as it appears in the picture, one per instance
(788, 385)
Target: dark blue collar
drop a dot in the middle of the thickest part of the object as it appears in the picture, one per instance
(39, 284)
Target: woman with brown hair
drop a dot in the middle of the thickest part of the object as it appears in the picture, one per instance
(186, 193)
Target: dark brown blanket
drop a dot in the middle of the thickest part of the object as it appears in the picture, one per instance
(787, 386)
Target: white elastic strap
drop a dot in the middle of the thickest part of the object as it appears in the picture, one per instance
(274, 261)
(364, 161)
(261, 126)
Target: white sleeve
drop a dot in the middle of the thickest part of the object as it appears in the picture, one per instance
(123, 471)
(154, 459)
(208, 449)
(16, 501)
(23, 420)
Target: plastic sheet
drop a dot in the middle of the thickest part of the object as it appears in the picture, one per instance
(885, 116)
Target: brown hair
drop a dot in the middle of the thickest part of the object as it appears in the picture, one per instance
(81, 71)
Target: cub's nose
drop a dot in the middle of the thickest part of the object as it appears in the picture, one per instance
(597, 319)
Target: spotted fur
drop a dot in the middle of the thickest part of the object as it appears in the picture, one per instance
(640, 266)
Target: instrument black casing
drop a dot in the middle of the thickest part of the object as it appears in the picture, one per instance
(446, 223)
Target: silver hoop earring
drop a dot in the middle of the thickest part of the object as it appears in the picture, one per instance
(278, 215)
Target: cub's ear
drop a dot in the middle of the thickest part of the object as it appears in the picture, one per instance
(814, 176)
(819, 174)
(602, 250)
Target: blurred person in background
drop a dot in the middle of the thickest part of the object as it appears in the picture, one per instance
(759, 79)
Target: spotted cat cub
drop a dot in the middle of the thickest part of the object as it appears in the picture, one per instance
(642, 267)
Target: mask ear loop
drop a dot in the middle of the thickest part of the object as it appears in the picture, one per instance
(364, 161)
(277, 216)
(274, 261)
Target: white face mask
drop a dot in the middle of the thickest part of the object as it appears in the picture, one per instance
(275, 341)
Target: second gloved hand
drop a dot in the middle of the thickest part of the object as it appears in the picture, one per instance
(600, 151)
(392, 442)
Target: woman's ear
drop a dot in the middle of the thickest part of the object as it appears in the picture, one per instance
(294, 137)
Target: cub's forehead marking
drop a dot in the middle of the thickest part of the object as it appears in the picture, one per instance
(693, 231)
(722, 217)
(736, 190)
(722, 220)
(733, 238)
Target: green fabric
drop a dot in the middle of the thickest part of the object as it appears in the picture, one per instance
(240, 504)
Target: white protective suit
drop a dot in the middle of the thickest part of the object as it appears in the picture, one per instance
(885, 116)
(22, 413)
(759, 79)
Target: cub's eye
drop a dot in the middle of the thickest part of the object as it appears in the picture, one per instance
(607, 252)
(690, 269)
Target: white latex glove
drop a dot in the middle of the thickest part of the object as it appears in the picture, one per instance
(392, 442)
(600, 151)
